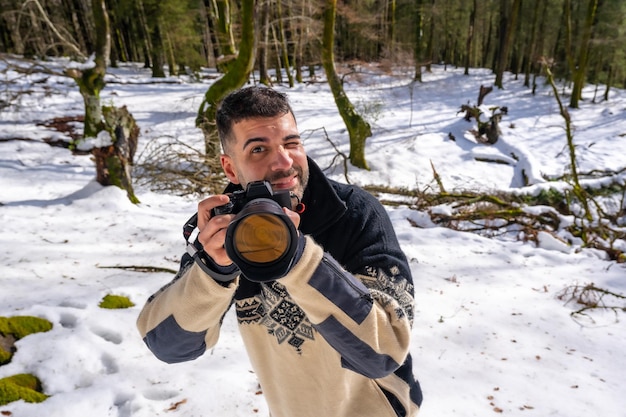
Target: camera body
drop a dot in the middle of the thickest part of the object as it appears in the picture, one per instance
(256, 189)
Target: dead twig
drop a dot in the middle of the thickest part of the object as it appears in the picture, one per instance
(592, 297)
(139, 268)
(338, 154)
(169, 165)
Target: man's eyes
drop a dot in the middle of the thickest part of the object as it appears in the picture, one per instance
(257, 149)
(289, 145)
(293, 144)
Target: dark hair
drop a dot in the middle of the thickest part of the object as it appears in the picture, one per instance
(247, 103)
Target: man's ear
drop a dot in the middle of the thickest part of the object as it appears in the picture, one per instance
(229, 168)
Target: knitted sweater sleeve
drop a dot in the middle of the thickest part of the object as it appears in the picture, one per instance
(183, 319)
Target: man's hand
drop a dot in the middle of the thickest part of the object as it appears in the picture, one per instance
(213, 229)
(293, 216)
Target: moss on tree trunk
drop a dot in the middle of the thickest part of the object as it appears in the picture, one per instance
(236, 77)
(358, 129)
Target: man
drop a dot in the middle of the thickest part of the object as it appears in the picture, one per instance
(327, 336)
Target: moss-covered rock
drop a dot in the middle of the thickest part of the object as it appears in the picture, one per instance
(115, 301)
(16, 328)
(21, 387)
(21, 326)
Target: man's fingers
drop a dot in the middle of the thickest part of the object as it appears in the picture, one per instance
(205, 206)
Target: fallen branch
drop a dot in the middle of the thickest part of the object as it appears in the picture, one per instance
(139, 268)
(175, 167)
(591, 297)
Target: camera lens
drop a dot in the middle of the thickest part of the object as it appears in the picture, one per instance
(261, 238)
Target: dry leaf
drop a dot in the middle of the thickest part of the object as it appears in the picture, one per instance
(175, 406)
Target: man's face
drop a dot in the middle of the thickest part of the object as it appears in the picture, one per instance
(270, 149)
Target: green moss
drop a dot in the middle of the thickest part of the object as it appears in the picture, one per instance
(115, 301)
(15, 328)
(21, 387)
(21, 326)
(5, 357)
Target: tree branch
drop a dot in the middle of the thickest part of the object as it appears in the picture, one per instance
(44, 16)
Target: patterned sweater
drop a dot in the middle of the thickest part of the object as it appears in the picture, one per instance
(331, 338)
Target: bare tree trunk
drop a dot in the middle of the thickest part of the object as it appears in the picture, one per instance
(300, 30)
(391, 28)
(158, 51)
(487, 49)
(507, 27)
(517, 47)
(153, 12)
(569, 32)
(264, 77)
(210, 21)
(117, 41)
(540, 46)
(283, 43)
(171, 59)
(609, 81)
(470, 37)
(307, 34)
(358, 129)
(417, 50)
(431, 35)
(145, 33)
(277, 61)
(298, 58)
(579, 69)
(529, 58)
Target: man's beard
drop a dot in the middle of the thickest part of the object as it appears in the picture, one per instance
(302, 174)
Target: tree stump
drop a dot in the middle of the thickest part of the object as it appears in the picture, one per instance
(114, 162)
(482, 93)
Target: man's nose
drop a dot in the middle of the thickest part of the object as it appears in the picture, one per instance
(283, 160)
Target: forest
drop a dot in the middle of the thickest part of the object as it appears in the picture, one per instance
(582, 39)
(566, 42)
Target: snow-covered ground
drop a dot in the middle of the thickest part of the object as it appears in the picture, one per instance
(490, 334)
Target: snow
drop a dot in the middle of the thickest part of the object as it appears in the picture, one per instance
(492, 333)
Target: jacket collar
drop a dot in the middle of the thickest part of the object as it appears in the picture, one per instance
(323, 206)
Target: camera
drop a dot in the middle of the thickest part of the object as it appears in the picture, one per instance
(254, 190)
(261, 240)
